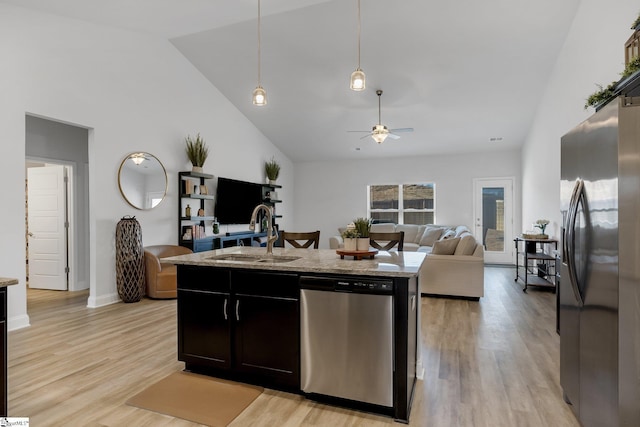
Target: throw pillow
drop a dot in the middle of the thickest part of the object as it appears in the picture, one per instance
(449, 234)
(445, 247)
(466, 246)
(430, 235)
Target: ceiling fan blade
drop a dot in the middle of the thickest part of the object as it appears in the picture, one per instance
(401, 130)
(393, 136)
(366, 136)
(359, 131)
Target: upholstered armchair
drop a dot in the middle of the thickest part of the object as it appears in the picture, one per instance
(162, 278)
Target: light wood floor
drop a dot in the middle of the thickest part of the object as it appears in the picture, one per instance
(489, 363)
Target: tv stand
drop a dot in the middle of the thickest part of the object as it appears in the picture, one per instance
(234, 233)
(242, 238)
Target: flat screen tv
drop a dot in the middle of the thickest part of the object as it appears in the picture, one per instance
(235, 200)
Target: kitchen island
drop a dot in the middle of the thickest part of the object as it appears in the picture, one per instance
(4, 282)
(340, 331)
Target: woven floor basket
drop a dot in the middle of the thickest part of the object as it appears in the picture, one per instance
(129, 260)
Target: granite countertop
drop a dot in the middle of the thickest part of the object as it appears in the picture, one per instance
(389, 264)
(5, 281)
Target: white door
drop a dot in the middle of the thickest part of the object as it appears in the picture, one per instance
(493, 209)
(47, 232)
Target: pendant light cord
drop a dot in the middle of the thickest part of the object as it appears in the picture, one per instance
(259, 42)
(358, 34)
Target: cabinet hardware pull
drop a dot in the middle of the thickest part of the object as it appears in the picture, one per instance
(226, 317)
(237, 314)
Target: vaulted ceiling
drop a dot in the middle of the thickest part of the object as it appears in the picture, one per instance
(466, 75)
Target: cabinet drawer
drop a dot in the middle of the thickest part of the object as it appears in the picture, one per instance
(264, 283)
(203, 278)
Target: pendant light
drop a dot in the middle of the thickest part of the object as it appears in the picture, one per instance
(358, 77)
(259, 94)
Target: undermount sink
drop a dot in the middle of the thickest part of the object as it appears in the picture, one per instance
(278, 259)
(236, 257)
(267, 259)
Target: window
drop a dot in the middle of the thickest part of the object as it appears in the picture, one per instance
(402, 204)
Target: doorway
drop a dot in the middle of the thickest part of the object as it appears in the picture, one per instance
(493, 213)
(53, 143)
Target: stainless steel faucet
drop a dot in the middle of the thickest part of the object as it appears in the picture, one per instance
(272, 233)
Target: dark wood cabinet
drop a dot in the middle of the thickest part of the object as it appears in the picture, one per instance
(267, 334)
(204, 328)
(204, 324)
(242, 322)
(3, 357)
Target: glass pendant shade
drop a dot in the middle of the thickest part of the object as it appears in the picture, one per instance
(259, 96)
(137, 158)
(358, 80)
(379, 137)
(379, 133)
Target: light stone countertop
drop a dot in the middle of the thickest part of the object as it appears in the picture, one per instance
(384, 264)
(5, 281)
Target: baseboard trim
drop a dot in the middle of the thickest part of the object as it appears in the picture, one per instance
(18, 322)
(102, 301)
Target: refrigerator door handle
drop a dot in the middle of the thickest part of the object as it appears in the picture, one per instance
(569, 241)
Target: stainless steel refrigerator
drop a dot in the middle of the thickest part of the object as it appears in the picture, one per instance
(599, 310)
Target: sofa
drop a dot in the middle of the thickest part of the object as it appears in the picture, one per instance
(454, 265)
(161, 279)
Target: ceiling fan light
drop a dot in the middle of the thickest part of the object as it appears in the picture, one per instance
(358, 82)
(137, 158)
(259, 96)
(379, 137)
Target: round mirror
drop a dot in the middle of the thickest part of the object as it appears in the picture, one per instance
(142, 180)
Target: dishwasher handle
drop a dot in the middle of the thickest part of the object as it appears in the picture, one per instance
(318, 283)
(360, 285)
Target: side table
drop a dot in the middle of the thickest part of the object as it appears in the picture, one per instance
(538, 267)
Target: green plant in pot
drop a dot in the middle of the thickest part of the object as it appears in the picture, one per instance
(363, 227)
(197, 152)
(350, 236)
(272, 170)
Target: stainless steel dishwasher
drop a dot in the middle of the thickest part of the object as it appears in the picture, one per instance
(346, 334)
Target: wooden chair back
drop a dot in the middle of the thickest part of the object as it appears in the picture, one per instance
(390, 239)
(302, 240)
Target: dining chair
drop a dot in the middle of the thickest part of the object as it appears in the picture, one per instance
(386, 241)
(302, 240)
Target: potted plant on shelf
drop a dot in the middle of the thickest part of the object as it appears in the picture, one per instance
(272, 169)
(542, 225)
(350, 237)
(197, 152)
(363, 226)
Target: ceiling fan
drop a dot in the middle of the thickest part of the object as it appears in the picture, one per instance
(138, 158)
(380, 132)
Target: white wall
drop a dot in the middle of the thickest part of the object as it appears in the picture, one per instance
(134, 93)
(593, 53)
(329, 195)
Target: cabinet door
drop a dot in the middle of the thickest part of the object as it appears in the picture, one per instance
(204, 336)
(3, 353)
(267, 338)
(3, 370)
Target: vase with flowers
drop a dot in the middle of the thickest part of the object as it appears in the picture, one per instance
(542, 225)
